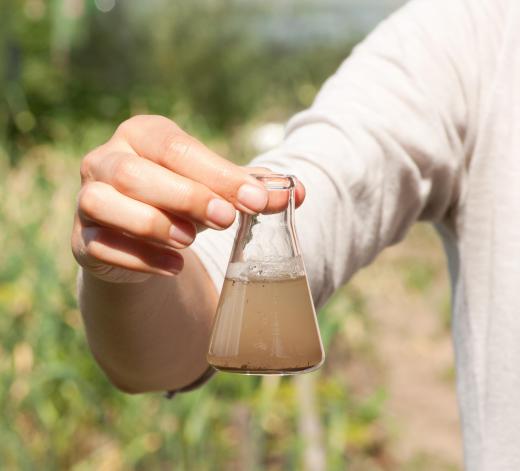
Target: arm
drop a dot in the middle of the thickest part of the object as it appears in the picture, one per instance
(383, 145)
(152, 335)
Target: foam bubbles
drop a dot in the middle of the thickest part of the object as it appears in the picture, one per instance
(266, 269)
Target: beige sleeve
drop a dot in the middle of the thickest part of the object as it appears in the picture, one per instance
(382, 146)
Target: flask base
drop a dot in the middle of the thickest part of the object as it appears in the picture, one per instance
(267, 371)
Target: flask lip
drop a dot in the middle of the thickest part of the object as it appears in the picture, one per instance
(276, 181)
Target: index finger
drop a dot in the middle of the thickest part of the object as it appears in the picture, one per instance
(159, 139)
(299, 194)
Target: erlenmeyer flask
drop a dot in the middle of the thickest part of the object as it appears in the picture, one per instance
(265, 321)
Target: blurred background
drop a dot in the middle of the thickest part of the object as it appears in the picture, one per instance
(230, 72)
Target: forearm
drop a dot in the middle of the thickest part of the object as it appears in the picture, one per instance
(152, 335)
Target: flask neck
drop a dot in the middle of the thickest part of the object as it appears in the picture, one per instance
(269, 236)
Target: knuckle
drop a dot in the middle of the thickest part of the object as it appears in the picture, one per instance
(185, 197)
(229, 180)
(126, 173)
(90, 199)
(93, 247)
(96, 157)
(76, 243)
(148, 224)
(225, 173)
(128, 124)
(86, 166)
(140, 120)
(176, 147)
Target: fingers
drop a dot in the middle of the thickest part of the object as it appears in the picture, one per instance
(278, 199)
(163, 142)
(149, 189)
(144, 181)
(104, 247)
(299, 194)
(101, 204)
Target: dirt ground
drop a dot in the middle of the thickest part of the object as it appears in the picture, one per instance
(408, 301)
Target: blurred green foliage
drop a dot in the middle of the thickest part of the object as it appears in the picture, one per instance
(204, 63)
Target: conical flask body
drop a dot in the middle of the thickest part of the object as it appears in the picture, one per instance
(265, 321)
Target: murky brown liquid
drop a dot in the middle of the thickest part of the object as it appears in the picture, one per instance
(265, 327)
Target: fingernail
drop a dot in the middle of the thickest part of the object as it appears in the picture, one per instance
(253, 197)
(172, 264)
(180, 235)
(220, 212)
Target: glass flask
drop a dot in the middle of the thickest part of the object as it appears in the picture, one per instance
(265, 321)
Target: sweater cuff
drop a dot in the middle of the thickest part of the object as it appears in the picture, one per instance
(204, 378)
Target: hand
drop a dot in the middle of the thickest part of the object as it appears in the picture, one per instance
(145, 194)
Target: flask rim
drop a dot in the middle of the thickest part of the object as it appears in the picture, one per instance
(276, 181)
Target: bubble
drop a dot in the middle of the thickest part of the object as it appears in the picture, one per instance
(266, 269)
